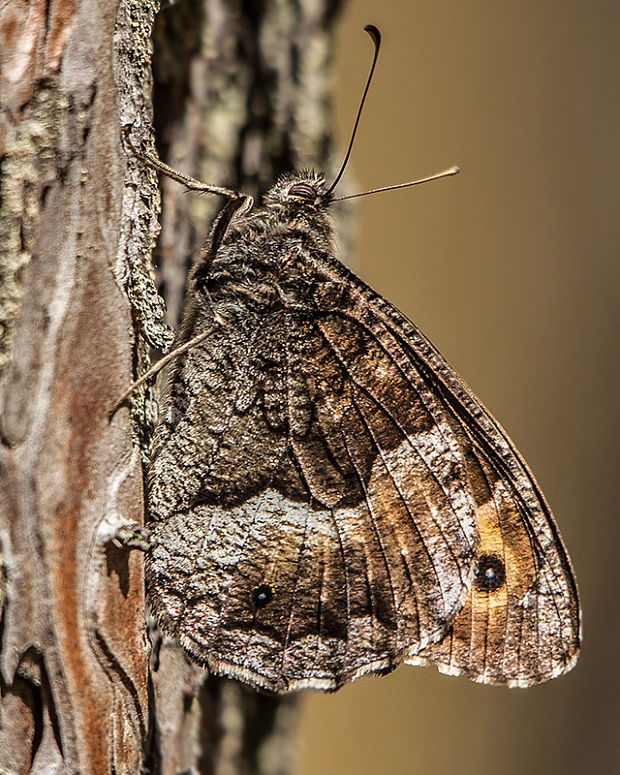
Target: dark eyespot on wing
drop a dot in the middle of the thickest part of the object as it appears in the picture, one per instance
(490, 573)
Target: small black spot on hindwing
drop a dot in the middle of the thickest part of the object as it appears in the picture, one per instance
(262, 595)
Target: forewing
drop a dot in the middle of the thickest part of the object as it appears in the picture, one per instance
(312, 511)
(521, 622)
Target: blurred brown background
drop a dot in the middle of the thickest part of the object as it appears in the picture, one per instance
(512, 269)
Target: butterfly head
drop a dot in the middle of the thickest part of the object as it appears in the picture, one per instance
(299, 193)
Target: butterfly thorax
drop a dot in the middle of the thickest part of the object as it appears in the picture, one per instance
(268, 259)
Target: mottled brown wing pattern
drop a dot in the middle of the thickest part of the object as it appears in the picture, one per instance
(521, 623)
(327, 493)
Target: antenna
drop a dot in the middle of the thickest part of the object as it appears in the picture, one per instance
(437, 176)
(376, 39)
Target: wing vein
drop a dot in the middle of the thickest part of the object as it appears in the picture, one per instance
(406, 437)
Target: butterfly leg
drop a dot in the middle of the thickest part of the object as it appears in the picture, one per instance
(237, 204)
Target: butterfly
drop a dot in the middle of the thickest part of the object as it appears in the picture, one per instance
(327, 497)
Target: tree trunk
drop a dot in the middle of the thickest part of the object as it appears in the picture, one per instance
(241, 93)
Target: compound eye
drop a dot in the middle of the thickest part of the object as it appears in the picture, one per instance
(304, 191)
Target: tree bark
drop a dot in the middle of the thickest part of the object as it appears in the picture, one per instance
(241, 93)
(73, 666)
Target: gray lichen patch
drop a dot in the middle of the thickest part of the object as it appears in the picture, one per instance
(28, 166)
(141, 205)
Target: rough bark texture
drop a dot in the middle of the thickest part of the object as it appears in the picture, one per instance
(73, 665)
(241, 93)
